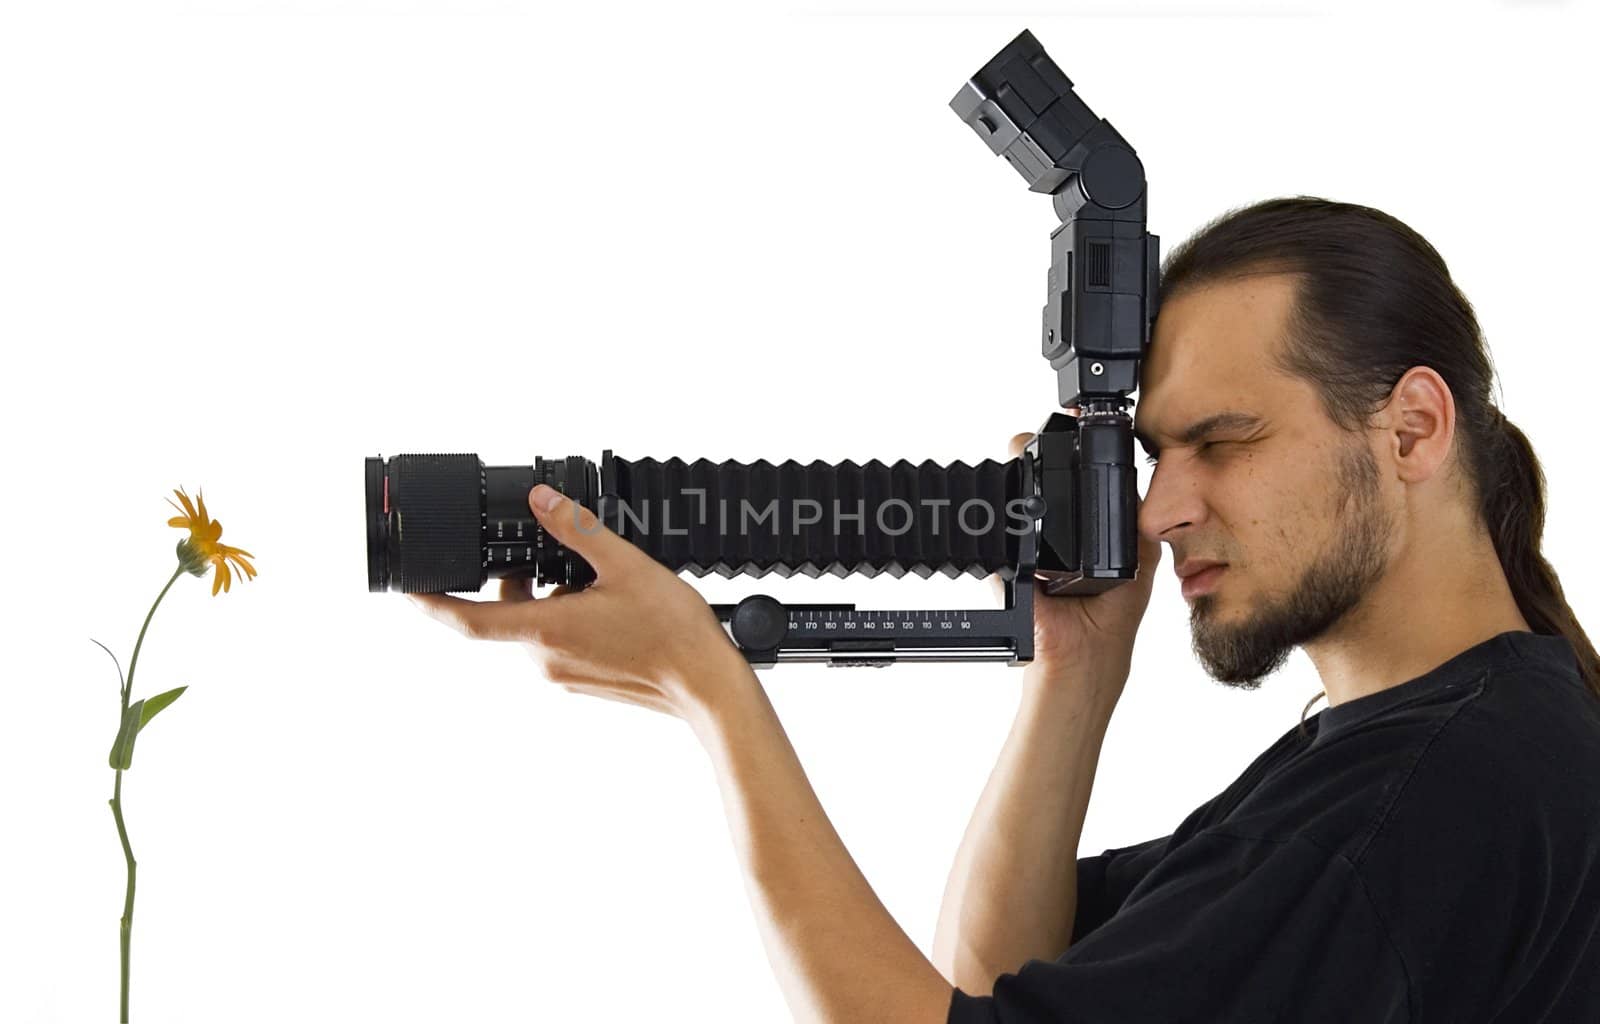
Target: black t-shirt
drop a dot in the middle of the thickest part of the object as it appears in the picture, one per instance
(1428, 852)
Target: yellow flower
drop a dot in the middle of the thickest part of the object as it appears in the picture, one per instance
(203, 547)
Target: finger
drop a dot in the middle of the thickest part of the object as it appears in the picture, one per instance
(516, 588)
(526, 621)
(579, 529)
(1018, 443)
(1149, 550)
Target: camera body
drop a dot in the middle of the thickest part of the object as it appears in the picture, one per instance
(1088, 536)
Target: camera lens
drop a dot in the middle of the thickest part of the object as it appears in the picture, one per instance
(446, 522)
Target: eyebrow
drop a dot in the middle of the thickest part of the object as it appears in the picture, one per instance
(1195, 431)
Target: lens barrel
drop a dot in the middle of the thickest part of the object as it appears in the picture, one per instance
(443, 523)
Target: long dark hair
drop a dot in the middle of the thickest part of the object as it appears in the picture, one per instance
(1374, 300)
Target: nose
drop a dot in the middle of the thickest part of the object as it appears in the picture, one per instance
(1172, 503)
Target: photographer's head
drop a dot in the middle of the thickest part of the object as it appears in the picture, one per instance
(1355, 476)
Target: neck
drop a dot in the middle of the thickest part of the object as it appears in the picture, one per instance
(1437, 599)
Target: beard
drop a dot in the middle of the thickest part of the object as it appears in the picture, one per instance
(1352, 561)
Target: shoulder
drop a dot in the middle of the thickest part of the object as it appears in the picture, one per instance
(1517, 764)
(1506, 743)
(1490, 846)
(1336, 789)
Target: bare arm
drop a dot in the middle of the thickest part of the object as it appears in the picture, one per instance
(838, 954)
(1013, 889)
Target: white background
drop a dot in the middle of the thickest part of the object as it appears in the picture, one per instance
(243, 246)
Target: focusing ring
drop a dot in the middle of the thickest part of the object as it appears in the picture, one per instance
(436, 525)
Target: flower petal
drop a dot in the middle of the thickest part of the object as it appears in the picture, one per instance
(202, 500)
(216, 584)
(187, 505)
(181, 522)
(222, 571)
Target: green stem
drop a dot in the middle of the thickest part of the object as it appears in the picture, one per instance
(125, 933)
(128, 688)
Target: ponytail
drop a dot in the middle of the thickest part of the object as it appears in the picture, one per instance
(1513, 502)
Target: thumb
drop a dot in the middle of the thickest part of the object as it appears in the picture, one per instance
(1149, 550)
(577, 528)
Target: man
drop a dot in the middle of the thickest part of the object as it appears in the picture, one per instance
(1331, 475)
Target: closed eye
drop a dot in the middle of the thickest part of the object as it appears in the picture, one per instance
(1153, 459)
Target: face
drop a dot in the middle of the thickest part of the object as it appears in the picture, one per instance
(1289, 503)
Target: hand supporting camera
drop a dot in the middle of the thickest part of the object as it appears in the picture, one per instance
(1090, 636)
(639, 634)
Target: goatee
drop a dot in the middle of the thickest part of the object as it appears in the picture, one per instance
(1354, 559)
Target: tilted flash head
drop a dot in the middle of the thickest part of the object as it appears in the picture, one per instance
(1100, 303)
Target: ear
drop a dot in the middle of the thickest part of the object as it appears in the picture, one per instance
(1418, 424)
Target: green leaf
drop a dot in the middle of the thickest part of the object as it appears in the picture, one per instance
(134, 719)
(122, 749)
(153, 706)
